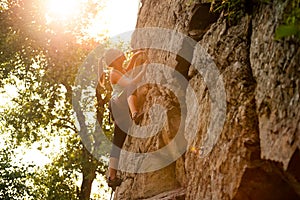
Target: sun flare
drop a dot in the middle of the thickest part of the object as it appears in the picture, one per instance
(113, 17)
(62, 9)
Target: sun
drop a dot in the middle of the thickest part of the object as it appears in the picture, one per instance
(62, 9)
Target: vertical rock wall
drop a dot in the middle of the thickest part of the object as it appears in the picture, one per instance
(256, 155)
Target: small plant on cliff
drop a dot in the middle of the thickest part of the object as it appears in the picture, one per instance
(232, 9)
(291, 24)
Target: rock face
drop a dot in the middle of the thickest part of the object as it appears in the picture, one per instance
(255, 155)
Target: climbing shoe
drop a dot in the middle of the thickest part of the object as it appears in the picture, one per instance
(114, 183)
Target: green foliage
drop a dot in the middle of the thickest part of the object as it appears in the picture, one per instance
(13, 178)
(56, 181)
(26, 37)
(41, 60)
(38, 106)
(233, 9)
(287, 30)
(291, 21)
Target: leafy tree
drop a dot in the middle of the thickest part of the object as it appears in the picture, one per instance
(41, 59)
(13, 178)
(53, 183)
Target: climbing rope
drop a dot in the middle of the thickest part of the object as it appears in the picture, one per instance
(111, 194)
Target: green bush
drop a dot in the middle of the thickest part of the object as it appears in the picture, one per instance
(291, 21)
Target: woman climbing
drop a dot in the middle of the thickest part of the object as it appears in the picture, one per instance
(123, 97)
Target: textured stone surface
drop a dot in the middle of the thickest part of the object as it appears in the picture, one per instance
(177, 194)
(218, 175)
(276, 69)
(255, 155)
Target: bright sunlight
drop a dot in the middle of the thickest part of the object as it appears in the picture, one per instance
(120, 15)
(62, 9)
(116, 16)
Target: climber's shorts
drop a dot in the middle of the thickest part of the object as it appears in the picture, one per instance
(118, 141)
(121, 116)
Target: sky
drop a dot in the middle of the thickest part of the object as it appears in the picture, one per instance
(117, 17)
(122, 15)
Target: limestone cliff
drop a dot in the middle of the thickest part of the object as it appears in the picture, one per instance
(256, 154)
